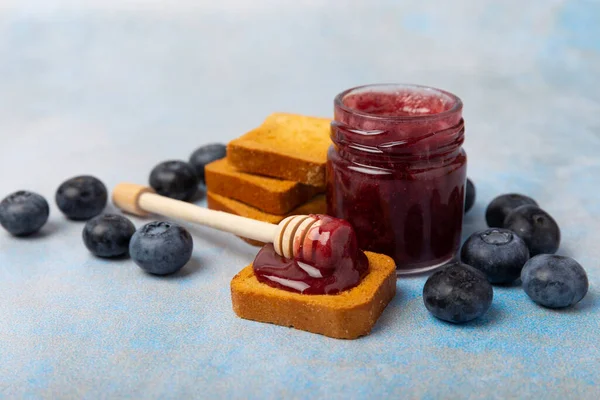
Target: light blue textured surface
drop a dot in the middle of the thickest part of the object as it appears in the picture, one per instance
(111, 87)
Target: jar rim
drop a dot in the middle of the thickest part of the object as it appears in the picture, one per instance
(455, 101)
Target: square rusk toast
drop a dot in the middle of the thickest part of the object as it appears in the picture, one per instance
(316, 205)
(286, 146)
(272, 195)
(347, 315)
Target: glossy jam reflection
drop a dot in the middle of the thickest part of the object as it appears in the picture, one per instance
(329, 262)
(397, 172)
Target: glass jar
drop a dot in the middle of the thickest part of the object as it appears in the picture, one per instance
(397, 171)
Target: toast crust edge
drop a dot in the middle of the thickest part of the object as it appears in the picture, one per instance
(348, 315)
(280, 200)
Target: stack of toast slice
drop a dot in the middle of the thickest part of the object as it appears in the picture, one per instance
(273, 171)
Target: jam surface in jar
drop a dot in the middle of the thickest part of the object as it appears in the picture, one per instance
(329, 261)
(396, 171)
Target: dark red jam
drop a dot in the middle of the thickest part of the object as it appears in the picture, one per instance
(328, 262)
(397, 172)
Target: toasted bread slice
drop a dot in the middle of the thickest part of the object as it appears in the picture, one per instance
(272, 195)
(317, 205)
(286, 146)
(347, 315)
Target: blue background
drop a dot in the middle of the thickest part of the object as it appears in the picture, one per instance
(111, 88)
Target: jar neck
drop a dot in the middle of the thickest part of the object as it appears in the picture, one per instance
(398, 121)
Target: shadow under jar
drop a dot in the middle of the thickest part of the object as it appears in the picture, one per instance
(397, 171)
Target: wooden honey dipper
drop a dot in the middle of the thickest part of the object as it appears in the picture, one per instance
(141, 200)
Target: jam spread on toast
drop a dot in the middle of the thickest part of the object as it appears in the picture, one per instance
(327, 262)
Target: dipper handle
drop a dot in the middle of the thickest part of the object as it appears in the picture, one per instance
(141, 200)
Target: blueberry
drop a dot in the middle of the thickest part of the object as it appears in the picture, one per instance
(498, 253)
(469, 195)
(161, 248)
(501, 206)
(23, 213)
(536, 227)
(108, 235)
(82, 197)
(175, 179)
(554, 281)
(457, 293)
(205, 155)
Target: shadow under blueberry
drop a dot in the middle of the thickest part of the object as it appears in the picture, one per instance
(192, 266)
(588, 303)
(48, 229)
(490, 318)
(510, 285)
(110, 260)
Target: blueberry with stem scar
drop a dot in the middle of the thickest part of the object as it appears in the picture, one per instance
(161, 248)
(498, 253)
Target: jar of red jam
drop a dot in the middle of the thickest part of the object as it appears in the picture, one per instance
(396, 171)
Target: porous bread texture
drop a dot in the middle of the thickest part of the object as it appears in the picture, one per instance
(286, 146)
(347, 315)
(272, 195)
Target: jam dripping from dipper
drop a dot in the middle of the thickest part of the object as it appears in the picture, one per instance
(328, 261)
